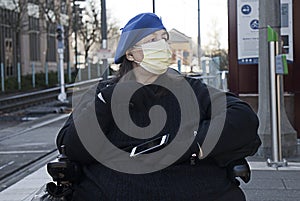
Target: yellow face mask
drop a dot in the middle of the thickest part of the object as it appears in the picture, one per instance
(157, 57)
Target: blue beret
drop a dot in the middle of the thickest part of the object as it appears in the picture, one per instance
(136, 29)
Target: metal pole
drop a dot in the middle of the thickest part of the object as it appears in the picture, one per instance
(46, 74)
(273, 103)
(104, 37)
(89, 70)
(153, 4)
(33, 75)
(199, 38)
(69, 72)
(75, 33)
(278, 108)
(62, 96)
(19, 75)
(98, 70)
(87, 42)
(58, 72)
(2, 78)
(79, 74)
(278, 117)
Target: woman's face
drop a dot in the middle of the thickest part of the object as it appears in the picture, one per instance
(136, 53)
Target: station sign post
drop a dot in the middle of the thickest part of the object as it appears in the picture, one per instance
(62, 97)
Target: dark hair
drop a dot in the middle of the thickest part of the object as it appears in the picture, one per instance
(125, 67)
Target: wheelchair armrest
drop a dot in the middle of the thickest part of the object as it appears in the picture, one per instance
(239, 169)
(63, 170)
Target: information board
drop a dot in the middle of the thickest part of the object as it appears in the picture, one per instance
(248, 30)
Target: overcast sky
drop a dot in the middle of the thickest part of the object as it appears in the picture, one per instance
(179, 14)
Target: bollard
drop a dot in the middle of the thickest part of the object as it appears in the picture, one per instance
(19, 76)
(46, 74)
(79, 74)
(179, 65)
(89, 70)
(33, 75)
(69, 72)
(2, 78)
(98, 70)
(275, 102)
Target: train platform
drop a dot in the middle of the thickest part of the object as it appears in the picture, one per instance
(266, 184)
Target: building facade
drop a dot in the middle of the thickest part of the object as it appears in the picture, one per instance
(28, 35)
(181, 46)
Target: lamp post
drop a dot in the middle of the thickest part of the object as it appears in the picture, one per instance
(60, 50)
(76, 11)
(86, 43)
(153, 5)
(75, 32)
(199, 38)
(104, 38)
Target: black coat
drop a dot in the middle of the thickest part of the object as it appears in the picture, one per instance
(205, 179)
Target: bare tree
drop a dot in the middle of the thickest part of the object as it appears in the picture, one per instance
(214, 38)
(213, 48)
(19, 8)
(90, 28)
(50, 16)
(17, 20)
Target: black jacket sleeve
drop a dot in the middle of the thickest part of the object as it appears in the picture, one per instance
(239, 137)
(68, 135)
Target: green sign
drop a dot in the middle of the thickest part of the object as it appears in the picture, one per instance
(272, 34)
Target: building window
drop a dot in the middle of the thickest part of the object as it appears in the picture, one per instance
(51, 48)
(34, 44)
(51, 43)
(8, 57)
(34, 39)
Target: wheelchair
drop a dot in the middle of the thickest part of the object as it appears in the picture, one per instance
(65, 173)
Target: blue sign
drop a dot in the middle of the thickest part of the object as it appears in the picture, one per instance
(253, 60)
(247, 31)
(246, 9)
(254, 24)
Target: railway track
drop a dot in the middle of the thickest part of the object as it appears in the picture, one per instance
(28, 146)
(24, 151)
(21, 101)
(23, 171)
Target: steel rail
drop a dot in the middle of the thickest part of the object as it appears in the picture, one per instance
(24, 170)
(34, 127)
(20, 101)
(32, 165)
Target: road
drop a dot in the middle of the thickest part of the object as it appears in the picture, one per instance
(27, 142)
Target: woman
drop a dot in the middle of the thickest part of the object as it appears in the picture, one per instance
(181, 152)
